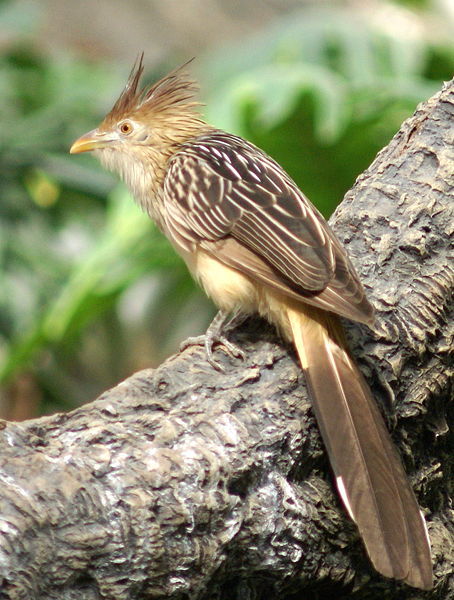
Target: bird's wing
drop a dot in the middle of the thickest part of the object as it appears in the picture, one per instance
(224, 195)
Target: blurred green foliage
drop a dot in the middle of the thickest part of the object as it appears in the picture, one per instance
(89, 290)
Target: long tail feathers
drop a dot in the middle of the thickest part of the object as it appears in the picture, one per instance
(370, 477)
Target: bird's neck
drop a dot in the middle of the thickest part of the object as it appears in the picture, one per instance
(143, 172)
(143, 168)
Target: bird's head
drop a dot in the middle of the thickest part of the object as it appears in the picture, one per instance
(146, 125)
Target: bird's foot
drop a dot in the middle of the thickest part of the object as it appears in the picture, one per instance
(214, 337)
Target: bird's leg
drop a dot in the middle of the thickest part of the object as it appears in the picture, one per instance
(214, 336)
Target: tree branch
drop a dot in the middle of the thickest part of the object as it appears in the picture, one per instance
(185, 482)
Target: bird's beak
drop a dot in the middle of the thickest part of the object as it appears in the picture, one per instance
(93, 140)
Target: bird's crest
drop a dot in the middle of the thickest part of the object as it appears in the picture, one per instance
(173, 94)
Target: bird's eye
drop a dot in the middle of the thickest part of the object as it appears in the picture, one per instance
(126, 127)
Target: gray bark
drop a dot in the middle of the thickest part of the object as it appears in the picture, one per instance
(183, 482)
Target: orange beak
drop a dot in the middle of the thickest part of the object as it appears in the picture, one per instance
(93, 140)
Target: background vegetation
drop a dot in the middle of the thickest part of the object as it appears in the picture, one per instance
(89, 291)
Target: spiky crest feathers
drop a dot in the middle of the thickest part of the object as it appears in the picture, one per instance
(172, 97)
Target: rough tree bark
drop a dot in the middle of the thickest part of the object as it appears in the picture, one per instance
(183, 482)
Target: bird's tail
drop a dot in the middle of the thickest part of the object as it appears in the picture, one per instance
(369, 474)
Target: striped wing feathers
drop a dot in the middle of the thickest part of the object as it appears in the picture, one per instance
(220, 186)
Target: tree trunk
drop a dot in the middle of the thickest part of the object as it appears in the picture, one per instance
(184, 482)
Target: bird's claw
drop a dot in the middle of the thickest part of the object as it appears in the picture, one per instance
(229, 348)
(212, 338)
(209, 342)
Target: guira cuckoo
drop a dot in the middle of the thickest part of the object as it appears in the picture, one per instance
(257, 245)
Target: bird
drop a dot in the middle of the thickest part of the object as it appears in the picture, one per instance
(256, 245)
